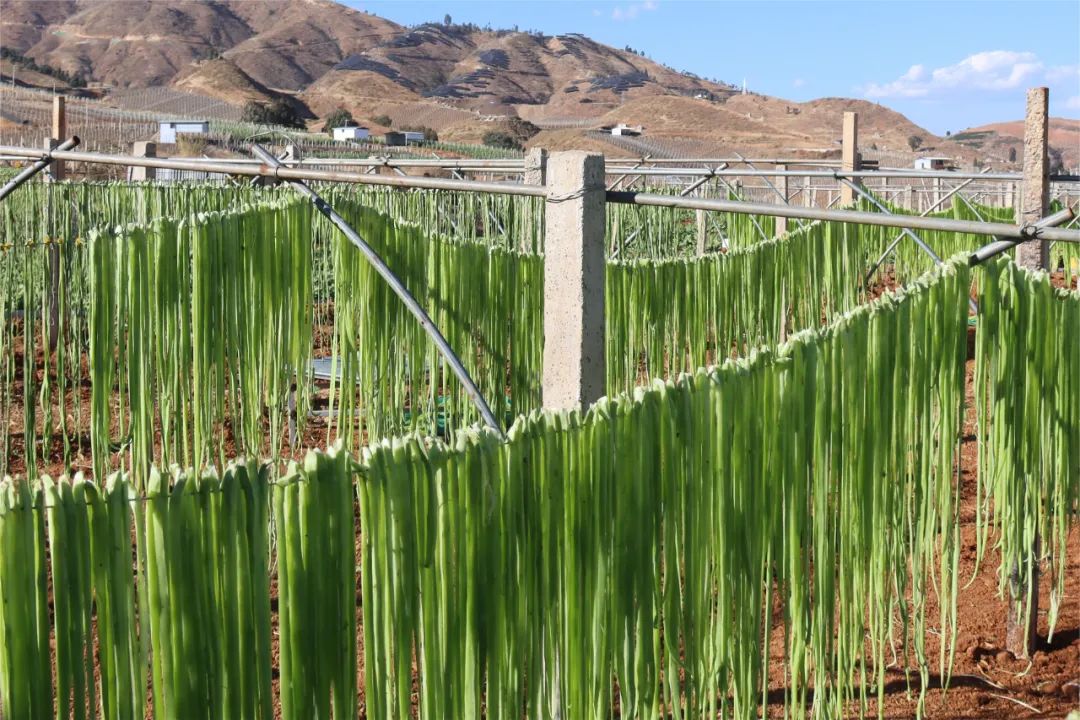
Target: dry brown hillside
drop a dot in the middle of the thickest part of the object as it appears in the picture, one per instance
(997, 139)
(461, 80)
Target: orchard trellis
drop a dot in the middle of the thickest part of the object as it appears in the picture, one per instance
(464, 498)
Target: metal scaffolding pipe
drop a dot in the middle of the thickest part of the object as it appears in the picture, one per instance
(900, 237)
(802, 162)
(837, 174)
(999, 246)
(31, 170)
(396, 285)
(1023, 232)
(282, 173)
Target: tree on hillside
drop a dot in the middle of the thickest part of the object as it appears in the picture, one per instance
(278, 112)
(339, 118)
(447, 20)
(1012, 154)
(384, 120)
(914, 141)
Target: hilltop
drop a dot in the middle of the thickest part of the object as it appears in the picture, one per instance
(457, 79)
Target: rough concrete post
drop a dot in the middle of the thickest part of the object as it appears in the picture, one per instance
(781, 183)
(849, 159)
(536, 160)
(147, 149)
(1035, 196)
(574, 267)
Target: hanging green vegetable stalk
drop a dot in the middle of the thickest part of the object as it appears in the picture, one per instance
(26, 690)
(207, 546)
(536, 564)
(1028, 397)
(313, 520)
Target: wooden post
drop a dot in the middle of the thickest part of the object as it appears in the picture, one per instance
(807, 197)
(937, 191)
(1035, 196)
(55, 174)
(59, 133)
(574, 264)
(536, 160)
(849, 159)
(781, 185)
(1021, 634)
(702, 231)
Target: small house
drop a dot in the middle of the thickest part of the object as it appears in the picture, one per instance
(351, 132)
(935, 163)
(625, 130)
(403, 137)
(169, 129)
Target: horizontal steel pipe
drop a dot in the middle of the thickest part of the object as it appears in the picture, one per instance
(31, 170)
(857, 217)
(263, 170)
(914, 174)
(999, 246)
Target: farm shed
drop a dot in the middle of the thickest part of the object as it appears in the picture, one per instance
(351, 132)
(935, 163)
(626, 130)
(405, 137)
(169, 129)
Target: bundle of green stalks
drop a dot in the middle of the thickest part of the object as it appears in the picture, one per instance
(1028, 397)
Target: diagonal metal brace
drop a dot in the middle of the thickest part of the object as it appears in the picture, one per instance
(32, 170)
(1032, 232)
(396, 285)
(918, 240)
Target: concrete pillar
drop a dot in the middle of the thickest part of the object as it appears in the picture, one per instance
(849, 159)
(147, 149)
(536, 160)
(937, 192)
(781, 185)
(574, 263)
(536, 166)
(807, 198)
(1035, 196)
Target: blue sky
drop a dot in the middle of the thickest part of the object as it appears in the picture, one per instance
(946, 65)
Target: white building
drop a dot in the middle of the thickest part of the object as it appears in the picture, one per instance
(935, 163)
(413, 136)
(626, 130)
(169, 129)
(351, 132)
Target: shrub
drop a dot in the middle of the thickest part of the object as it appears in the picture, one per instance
(278, 112)
(339, 118)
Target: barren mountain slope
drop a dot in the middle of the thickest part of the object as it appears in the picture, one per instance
(142, 43)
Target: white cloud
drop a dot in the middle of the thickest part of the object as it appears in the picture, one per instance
(1061, 73)
(1073, 103)
(798, 82)
(631, 11)
(992, 70)
(596, 12)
